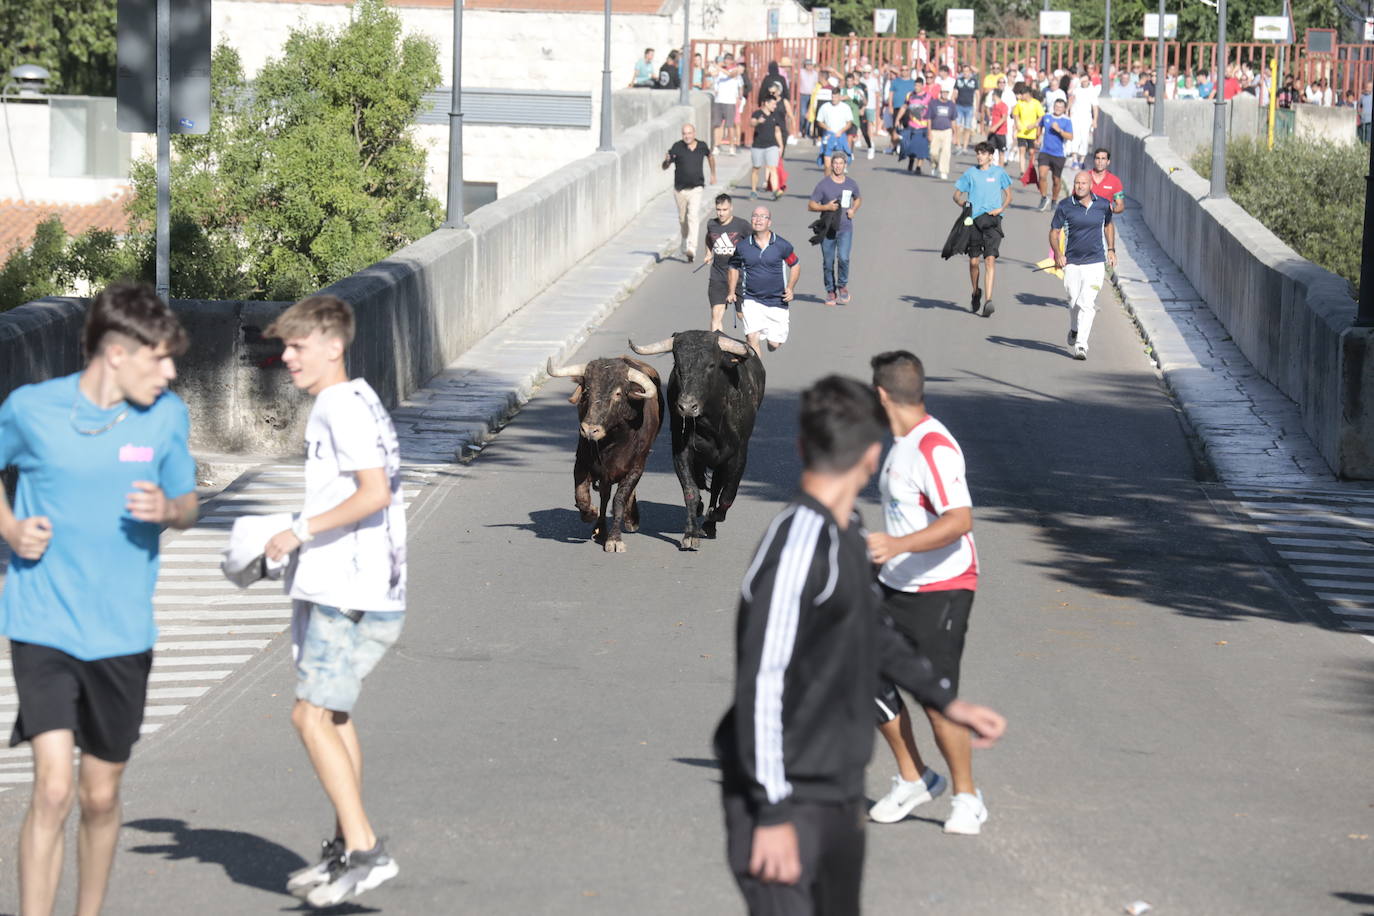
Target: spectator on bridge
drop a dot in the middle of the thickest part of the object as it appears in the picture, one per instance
(806, 86)
(763, 275)
(839, 194)
(986, 188)
(942, 117)
(920, 52)
(1205, 85)
(1230, 87)
(1365, 116)
(728, 87)
(1056, 131)
(965, 107)
(1122, 88)
(644, 70)
(1104, 183)
(949, 57)
(698, 74)
(670, 74)
(1083, 240)
(1189, 88)
(766, 147)
(688, 157)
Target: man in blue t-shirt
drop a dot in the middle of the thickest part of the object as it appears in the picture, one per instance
(987, 189)
(763, 273)
(103, 465)
(1055, 129)
(839, 194)
(942, 117)
(1083, 240)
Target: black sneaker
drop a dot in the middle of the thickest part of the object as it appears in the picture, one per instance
(918, 170)
(353, 873)
(301, 882)
(974, 300)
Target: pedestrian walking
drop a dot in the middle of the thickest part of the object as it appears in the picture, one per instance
(965, 106)
(836, 119)
(689, 156)
(1104, 183)
(763, 274)
(724, 233)
(1083, 240)
(766, 146)
(929, 576)
(836, 193)
(987, 189)
(103, 465)
(1056, 130)
(728, 87)
(811, 648)
(348, 589)
(942, 116)
(806, 85)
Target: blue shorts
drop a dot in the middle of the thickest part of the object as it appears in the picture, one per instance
(336, 653)
(964, 115)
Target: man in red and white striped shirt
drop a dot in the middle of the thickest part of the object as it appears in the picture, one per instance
(929, 575)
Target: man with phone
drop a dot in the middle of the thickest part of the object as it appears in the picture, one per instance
(688, 157)
(839, 194)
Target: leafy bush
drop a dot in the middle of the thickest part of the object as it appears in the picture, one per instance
(1308, 193)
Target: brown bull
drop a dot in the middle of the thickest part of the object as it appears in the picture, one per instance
(620, 409)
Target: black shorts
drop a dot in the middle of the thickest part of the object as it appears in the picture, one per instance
(100, 702)
(997, 141)
(935, 624)
(1025, 142)
(1054, 163)
(717, 288)
(983, 244)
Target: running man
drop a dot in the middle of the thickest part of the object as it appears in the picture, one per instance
(103, 466)
(1083, 240)
(987, 188)
(1056, 130)
(348, 589)
(724, 233)
(1105, 184)
(929, 575)
(811, 646)
(763, 273)
(1026, 115)
(837, 193)
(689, 156)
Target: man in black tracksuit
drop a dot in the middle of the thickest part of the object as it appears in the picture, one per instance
(811, 649)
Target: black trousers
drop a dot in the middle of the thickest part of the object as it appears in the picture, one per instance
(830, 839)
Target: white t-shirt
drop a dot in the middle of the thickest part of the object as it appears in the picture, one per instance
(946, 83)
(923, 478)
(834, 116)
(727, 89)
(360, 566)
(870, 84)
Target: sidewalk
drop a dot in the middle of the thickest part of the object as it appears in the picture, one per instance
(208, 628)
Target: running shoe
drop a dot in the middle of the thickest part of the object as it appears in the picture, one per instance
(967, 814)
(1080, 352)
(691, 256)
(753, 195)
(300, 882)
(904, 797)
(830, 297)
(1071, 339)
(870, 152)
(988, 308)
(353, 873)
(975, 300)
(1044, 204)
(844, 295)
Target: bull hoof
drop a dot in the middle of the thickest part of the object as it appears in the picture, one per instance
(691, 542)
(709, 529)
(614, 547)
(630, 526)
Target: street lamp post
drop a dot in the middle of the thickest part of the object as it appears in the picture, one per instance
(686, 80)
(1364, 318)
(1107, 49)
(606, 145)
(1157, 128)
(1218, 189)
(455, 214)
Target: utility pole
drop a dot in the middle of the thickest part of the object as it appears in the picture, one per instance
(163, 244)
(455, 217)
(1364, 318)
(1107, 50)
(1157, 129)
(686, 66)
(606, 145)
(1218, 189)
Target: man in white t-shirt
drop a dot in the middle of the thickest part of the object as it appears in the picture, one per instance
(835, 118)
(348, 585)
(725, 108)
(929, 575)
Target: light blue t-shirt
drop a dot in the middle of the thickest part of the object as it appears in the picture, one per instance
(644, 71)
(91, 593)
(984, 187)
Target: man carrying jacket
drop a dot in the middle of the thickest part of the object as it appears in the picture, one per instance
(811, 648)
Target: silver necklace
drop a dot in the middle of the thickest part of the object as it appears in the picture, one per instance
(95, 432)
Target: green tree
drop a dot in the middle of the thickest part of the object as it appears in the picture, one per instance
(73, 39)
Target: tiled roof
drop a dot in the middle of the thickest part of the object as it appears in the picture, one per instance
(642, 7)
(19, 219)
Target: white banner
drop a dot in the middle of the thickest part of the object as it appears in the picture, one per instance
(958, 22)
(1272, 28)
(1152, 25)
(884, 22)
(1369, 30)
(1054, 22)
(822, 14)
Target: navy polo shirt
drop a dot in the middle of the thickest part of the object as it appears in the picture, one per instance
(764, 271)
(1085, 236)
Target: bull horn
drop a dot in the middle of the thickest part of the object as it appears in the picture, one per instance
(730, 345)
(643, 381)
(565, 372)
(663, 346)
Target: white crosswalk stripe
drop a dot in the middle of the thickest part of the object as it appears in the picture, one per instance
(207, 628)
(1326, 536)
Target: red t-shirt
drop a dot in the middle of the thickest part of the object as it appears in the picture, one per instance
(1000, 113)
(1230, 88)
(1109, 187)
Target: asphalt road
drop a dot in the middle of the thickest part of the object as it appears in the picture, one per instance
(1186, 729)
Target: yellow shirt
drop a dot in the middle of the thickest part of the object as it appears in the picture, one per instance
(990, 81)
(1027, 115)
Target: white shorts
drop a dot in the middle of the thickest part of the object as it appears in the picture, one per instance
(770, 322)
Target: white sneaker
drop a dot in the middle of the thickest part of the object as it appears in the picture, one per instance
(904, 797)
(967, 814)
(1080, 352)
(870, 152)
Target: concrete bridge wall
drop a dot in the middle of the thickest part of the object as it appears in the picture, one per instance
(1289, 317)
(417, 311)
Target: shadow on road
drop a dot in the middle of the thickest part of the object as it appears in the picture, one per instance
(706, 763)
(1022, 343)
(921, 302)
(247, 859)
(1356, 898)
(656, 520)
(1037, 299)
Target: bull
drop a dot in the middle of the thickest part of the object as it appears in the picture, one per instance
(619, 410)
(714, 395)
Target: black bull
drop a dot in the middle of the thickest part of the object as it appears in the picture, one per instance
(714, 395)
(620, 410)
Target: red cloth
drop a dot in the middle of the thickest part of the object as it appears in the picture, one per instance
(1028, 177)
(782, 176)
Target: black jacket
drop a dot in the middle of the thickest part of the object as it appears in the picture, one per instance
(825, 226)
(811, 651)
(959, 235)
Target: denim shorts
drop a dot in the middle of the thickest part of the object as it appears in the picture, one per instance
(338, 653)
